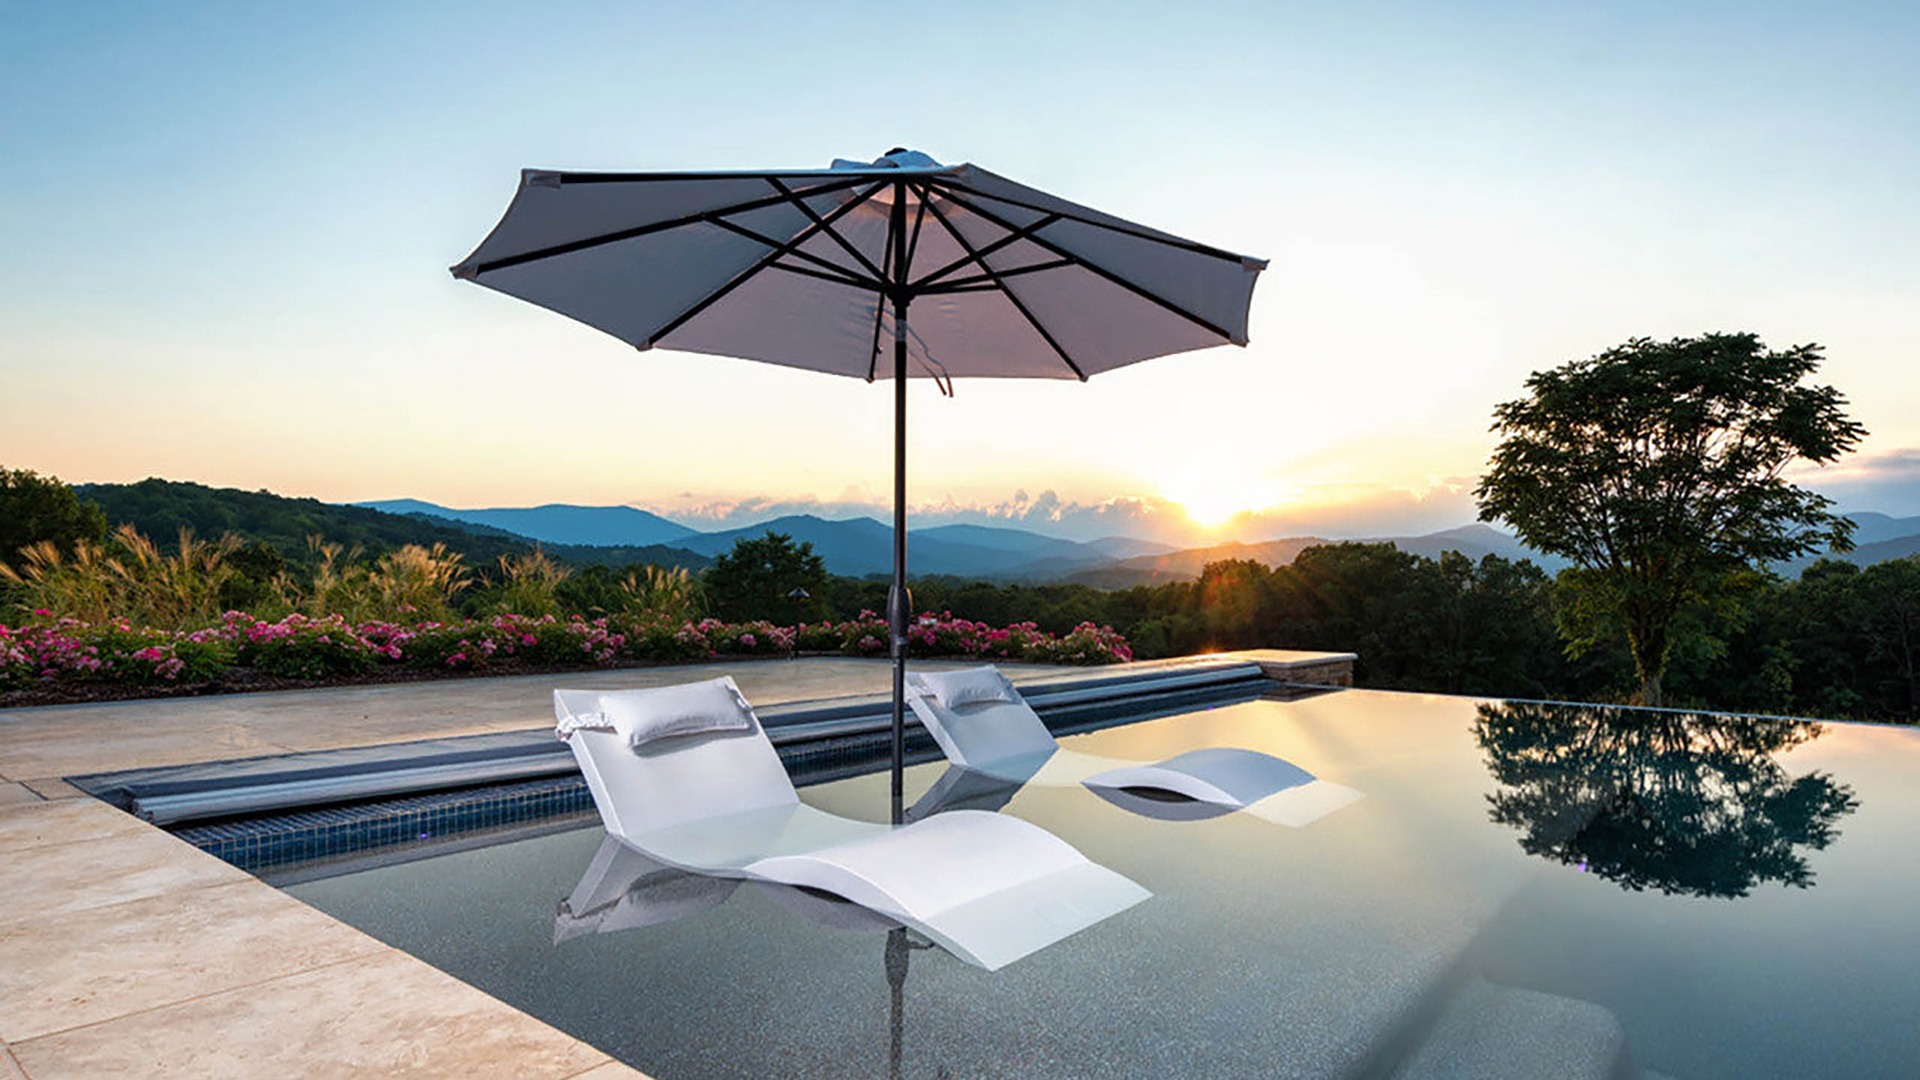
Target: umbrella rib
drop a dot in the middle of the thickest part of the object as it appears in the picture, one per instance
(919, 218)
(994, 275)
(1013, 237)
(889, 173)
(977, 282)
(1134, 231)
(743, 276)
(637, 231)
(879, 311)
(845, 244)
(808, 271)
(851, 277)
(1138, 290)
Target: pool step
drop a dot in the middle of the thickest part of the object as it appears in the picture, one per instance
(1491, 1032)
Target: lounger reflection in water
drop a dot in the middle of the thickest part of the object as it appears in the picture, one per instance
(986, 728)
(686, 776)
(623, 889)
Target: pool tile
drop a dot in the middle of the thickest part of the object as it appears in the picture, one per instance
(57, 974)
(385, 1015)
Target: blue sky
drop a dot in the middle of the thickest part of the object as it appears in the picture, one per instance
(226, 229)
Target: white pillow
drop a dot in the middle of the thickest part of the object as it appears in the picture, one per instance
(641, 716)
(971, 686)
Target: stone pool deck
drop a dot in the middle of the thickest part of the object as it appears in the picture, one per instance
(126, 952)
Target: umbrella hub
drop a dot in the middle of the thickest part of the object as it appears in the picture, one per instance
(896, 158)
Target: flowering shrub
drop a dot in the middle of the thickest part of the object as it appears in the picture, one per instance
(298, 647)
(68, 651)
(73, 651)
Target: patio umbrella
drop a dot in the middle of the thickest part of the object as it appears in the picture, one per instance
(958, 272)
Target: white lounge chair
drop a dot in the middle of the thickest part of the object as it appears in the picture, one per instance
(686, 776)
(983, 724)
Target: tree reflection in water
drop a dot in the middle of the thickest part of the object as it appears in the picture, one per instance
(1686, 803)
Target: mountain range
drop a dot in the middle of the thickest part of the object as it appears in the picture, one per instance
(862, 546)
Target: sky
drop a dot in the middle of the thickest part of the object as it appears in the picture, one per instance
(225, 228)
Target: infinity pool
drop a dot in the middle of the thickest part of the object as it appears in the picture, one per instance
(1524, 890)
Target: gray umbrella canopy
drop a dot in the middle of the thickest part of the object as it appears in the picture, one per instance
(953, 270)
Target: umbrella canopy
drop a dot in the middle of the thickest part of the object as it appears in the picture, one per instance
(954, 270)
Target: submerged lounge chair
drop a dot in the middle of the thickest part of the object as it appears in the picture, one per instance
(624, 890)
(686, 776)
(983, 725)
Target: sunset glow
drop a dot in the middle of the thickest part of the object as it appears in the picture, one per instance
(1214, 497)
(240, 278)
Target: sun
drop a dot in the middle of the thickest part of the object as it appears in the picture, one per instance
(1212, 498)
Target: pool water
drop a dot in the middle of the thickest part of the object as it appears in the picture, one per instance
(1545, 890)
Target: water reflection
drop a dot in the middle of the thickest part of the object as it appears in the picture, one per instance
(1687, 803)
(623, 889)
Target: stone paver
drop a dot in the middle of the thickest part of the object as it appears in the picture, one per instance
(158, 950)
(40, 824)
(15, 794)
(385, 1015)
(52, 787)
(46, 882)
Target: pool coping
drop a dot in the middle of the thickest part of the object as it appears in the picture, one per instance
(126, 951)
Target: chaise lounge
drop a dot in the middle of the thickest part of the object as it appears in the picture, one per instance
(686, 776)
(984, 726)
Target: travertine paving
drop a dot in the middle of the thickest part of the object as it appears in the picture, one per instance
(125, 952)
(73, 740)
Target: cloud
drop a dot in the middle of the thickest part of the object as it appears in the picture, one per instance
(1887, 481)
(1334, 512)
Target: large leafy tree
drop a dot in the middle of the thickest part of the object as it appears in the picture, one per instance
(768, 577)
(1656, 469)
(34, 508)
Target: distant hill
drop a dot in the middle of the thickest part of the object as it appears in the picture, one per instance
(1476, 541)
(558, 523)
(1872, 528)
(1186, 564)
(159, 508)
(1127, 547)
(1897, 548)
(1473, 541)
(857, 547)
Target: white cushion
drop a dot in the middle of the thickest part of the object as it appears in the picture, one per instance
(968, 687)
(641, 716)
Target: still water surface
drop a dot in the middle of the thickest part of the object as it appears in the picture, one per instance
(1738, 896)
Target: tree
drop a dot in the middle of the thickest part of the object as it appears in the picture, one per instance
(768, 577)
(35, 508)
(1655, 467)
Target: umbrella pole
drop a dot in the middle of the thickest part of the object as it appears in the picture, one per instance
(897, 596)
